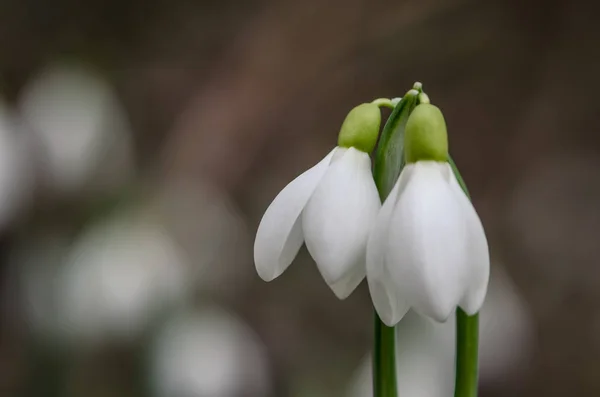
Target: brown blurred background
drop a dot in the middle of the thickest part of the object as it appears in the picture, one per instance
(140, 143)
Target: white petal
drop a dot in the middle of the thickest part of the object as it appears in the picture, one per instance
(478, 256)
(348, 283)
(388, 303)
(338, 217)
(279, 235)
(428, 242)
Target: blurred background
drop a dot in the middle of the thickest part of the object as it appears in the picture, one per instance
(140, 143)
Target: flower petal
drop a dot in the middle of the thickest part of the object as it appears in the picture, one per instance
(388, 303)
(478, 256)
(348, 283)
(279, 235)
(427, 243)
(338, 217)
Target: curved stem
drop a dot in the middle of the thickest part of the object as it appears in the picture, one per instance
(467, 335)
(384, 102)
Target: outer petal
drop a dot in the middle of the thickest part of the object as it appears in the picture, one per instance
(348, 283)
(428, 242)
(478, 256)
(279, 235)
(337, 220)
(388, 303)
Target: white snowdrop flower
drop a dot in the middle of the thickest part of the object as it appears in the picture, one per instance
(208, 353)
(79, 128)
(330, 207)
(117, 277)
(428, 249)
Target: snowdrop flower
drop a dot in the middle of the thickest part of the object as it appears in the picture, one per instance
(331, 207)
(428, 249)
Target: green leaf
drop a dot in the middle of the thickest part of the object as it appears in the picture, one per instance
(389, 156)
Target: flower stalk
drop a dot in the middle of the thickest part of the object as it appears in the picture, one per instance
(384, 360)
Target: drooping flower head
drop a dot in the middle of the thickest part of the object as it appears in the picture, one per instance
(428, 249)
(331, 207)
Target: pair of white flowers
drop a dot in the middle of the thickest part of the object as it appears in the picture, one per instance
(424, 248)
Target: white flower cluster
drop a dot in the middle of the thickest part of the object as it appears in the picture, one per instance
(424, 248)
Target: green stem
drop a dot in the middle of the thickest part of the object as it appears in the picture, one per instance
(467, 335)
(467, 346)
(388, 163)
(384, 102)
(384, 360)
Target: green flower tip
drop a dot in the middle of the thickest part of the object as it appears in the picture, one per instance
(361, 128)
(425, 136)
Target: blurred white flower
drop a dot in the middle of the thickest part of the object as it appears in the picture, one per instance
(424, 360)
(117, 277)
(425, 349)
(79, 128)
(16, 178)
(209, 353)
(506, 330)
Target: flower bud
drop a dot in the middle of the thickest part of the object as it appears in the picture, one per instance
(426, 137)
(361, 128)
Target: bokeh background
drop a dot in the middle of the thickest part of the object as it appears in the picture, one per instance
(140, 143)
